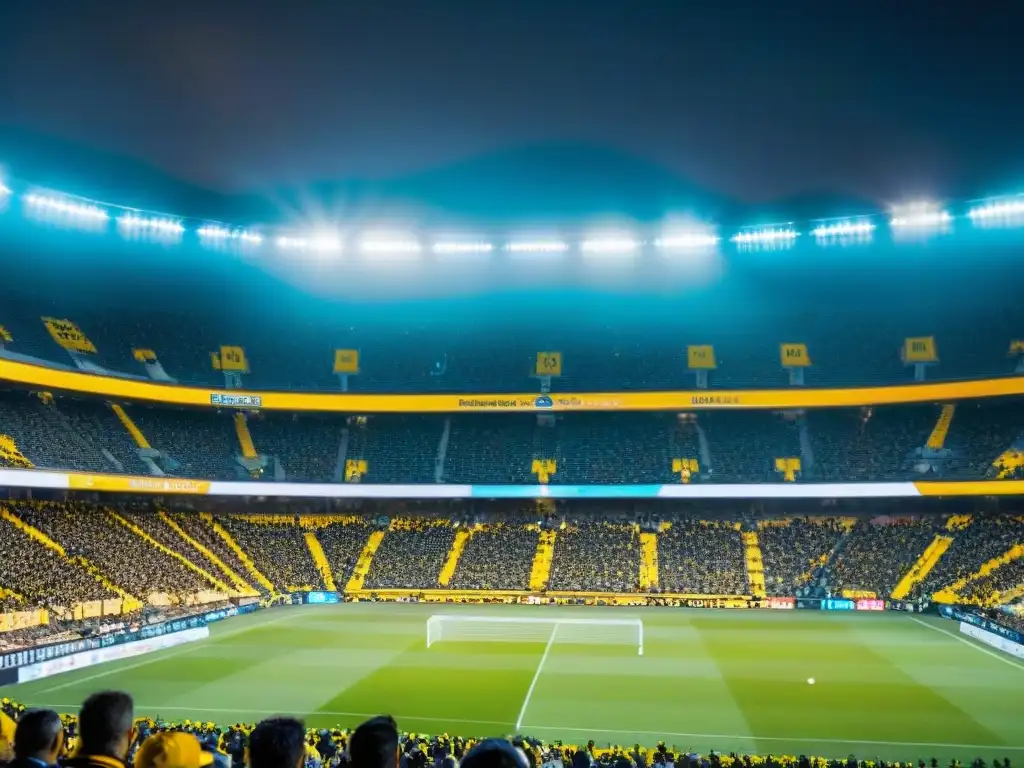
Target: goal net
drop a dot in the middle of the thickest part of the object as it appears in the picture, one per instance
(536, 630)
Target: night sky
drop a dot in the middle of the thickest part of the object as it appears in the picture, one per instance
(753, 100)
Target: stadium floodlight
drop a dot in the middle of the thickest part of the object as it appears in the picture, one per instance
(287, 243)
(605, 246)
(458, 248)
(686, 241)
(467, 628)
(215, 232)
(72, 209)
(1007, 212)
(768, 236)
(157, 225)
(324, 242)
(385, 245)
(844, 232)
(920, 216)
(537, 246)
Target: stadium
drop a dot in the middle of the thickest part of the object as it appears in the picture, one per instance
(727, 490)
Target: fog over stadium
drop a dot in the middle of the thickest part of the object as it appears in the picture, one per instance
(551, 385)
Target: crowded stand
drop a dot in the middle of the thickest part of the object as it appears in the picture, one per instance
(125, 558)
(984, 538)
(613, 448)
(200, 529)
(396, 449)
(745, 446)
(110, 727)
(277, 547)
(44, 437)
(877, 553)
(833, 445)
(343, 541)
(794, 549)
(40, 576)
(197, 444)
(305, 446)
(990, 587)
(411, 554)
(596, 556)
(701, 557)
(498, 556)
(857, 444)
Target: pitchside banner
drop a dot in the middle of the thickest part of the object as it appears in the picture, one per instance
(958, 614)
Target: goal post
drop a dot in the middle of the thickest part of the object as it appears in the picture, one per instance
(536, 630)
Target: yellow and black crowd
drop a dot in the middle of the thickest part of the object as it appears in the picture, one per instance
(107, 733)
(57, 555)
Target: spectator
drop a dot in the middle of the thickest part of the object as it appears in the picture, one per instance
(172, 749)
(495, 753)
(374, 744)
(278, 742)
(38, 740)
(105, 731)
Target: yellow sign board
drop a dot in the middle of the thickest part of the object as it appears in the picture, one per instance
(548, 364)
(346, 361)
(232, 360)
(701, 357)
(920, 349)
(794, 355)
(68, 335)
(144, 355)
(789, 398)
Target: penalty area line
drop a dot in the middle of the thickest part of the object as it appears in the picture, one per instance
(965, 641)
(536, 676)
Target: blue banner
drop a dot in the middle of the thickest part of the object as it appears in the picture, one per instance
(314, 598)
(957, 614)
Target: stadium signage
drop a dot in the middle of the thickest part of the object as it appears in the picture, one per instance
(39, 653)
(317, 598)
(870, 605)
(781, 603)
(43, 479)
(996, 641)
(837, 604)
(51, 379)
(957, 614)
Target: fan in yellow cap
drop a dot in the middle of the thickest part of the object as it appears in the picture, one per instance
(172, 749)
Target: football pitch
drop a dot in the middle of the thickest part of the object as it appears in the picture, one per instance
(886, 685)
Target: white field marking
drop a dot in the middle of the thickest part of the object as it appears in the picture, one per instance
(246, 710)
(536, 676)
(528, 728)
(975, 646)
(152, 659)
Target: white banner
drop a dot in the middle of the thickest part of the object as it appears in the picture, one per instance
(990, 638)
(112, 653)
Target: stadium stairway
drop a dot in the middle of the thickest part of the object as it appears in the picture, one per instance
(242, 555)
(217, 584)
(754, 562)
(648, 560)
(920, 569)
(462, 537)
(320, 560)
(137, 437)
(130, 602)
(240, 584)
(362, 567)
(540, 573)
(937, 439)
(951, 594)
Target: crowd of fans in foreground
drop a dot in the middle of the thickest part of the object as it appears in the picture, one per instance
(106, 734)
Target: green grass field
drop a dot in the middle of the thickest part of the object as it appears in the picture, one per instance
(887, 685)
